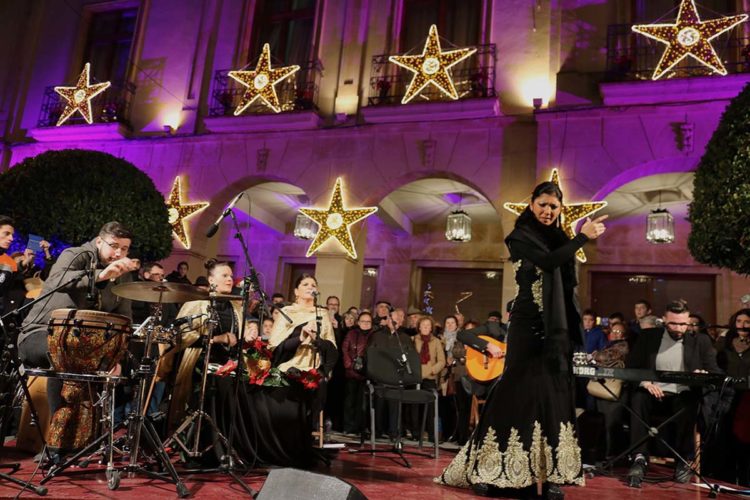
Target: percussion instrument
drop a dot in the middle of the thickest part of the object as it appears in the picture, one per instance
(82, 341)
(483, 367)
(161, 292)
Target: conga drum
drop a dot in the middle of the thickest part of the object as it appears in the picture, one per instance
(82, 342)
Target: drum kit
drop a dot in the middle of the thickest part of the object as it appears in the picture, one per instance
(85, 349)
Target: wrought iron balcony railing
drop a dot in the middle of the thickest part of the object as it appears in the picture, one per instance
(473, 77)
(631, 56)
(299, 92)
(111, 106)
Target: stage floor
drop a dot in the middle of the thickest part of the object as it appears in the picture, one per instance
(378, 477)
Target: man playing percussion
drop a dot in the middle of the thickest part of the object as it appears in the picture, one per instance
(107, 255)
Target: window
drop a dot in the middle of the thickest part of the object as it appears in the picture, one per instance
(287, 25)
(458, 21)
(108, 43)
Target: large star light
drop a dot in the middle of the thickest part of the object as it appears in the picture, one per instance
(179, 211)
(689, 36)
(570, 214)
(261, 83)
(431, 67)
(78, 98)
(336, 221)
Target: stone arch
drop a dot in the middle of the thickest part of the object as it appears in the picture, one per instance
(664, 166)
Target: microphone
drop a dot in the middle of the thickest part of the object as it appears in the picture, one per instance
(91, 295)
(215, 226)
(315, 293)
(186, 319)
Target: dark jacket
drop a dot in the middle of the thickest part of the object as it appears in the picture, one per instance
(354, 346)
(75, 262)
(698, 353)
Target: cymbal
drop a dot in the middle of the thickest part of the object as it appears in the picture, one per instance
(163, 292)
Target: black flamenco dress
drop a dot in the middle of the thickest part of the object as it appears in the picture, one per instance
(526, 431)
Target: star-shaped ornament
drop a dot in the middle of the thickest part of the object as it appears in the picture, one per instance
(336, 221)
(261, 83)
(570, 214)
(431, 67)
(179, 211)
(689, 36)
(78, 98)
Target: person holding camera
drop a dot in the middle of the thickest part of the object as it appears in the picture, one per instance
(353, 353)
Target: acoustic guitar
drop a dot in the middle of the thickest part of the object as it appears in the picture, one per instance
(483, 367)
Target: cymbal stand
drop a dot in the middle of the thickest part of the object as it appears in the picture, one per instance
(194, 422)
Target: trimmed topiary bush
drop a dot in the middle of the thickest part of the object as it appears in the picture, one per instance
(720, 211)
(68, 195)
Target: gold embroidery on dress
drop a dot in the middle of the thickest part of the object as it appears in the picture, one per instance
(517, 468)
(568, 456)
(516, 267)
(517, 471)
(536, 289)
(455, 473)
(489, 460)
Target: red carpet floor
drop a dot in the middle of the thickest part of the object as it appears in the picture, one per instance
(378, 477)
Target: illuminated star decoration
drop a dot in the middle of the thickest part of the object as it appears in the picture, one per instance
(261, 83)
(336, 221)
(689, 36)
(570, 214)
(79, 97)
(179, 211)
(431, 67)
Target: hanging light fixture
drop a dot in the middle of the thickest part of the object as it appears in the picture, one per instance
(660, 226)
(458, 225)
(304, 227)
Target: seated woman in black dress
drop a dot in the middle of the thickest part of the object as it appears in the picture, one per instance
(525, 436)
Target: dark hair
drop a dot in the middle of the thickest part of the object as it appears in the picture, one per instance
(268, 318)
(449, 317)
(732, 333)
(617, 315)
(588, 312)
(279, 295)
(183, 263)
(547, 187)
(365, 313)
(644, 302)
(115, 229)
(212, 264)
(473, 322)
(6, 221)
(678, 306)
(148, 265)
(496, 314)
(302, 277)
(333, 297)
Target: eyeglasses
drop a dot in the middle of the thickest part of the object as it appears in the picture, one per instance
(116, 247)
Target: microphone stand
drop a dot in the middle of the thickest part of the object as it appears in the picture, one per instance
(9, 325)
(227, 461)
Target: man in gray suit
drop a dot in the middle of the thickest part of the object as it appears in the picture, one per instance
(107, 254)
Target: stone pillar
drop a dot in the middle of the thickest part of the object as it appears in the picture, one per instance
(338, 274)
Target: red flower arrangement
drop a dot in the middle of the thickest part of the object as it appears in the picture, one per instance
(259, 370)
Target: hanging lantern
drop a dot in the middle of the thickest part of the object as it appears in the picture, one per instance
(304, 227)
(660, 228)
(458, 226)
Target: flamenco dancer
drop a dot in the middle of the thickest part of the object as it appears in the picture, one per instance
(525, 437)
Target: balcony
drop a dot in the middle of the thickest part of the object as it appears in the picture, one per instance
(110, 111)
(474, 79)
(631, 56)
(298, 96)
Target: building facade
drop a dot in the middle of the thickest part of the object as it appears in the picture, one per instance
(553, 84)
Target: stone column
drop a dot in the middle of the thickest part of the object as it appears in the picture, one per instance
(338, 274)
